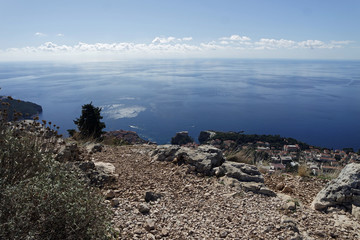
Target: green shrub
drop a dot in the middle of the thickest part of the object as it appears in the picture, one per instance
(53, 205)
(20, 156)
(41, 198)
(89, 122)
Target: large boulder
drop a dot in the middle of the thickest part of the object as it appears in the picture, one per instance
(205, 136)
(242, 172)
(342, 192)
(209, 161)
(105, 167)
(99, 174)
(182, 138)
(203, 158)
(243, 176)
(165, 153)
(103, 174)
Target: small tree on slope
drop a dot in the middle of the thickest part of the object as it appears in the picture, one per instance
(89, 123)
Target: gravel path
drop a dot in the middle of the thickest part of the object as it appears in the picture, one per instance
(193, 207)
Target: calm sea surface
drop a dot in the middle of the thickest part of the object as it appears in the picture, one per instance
(314, 101)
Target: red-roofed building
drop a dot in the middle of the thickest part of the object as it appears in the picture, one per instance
(291, 148)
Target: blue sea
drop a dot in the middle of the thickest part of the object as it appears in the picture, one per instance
(317, 102)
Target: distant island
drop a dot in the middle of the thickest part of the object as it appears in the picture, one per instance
(27, 109)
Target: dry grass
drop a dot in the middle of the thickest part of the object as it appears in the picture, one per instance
(329, 175)
(303, 171)
(243, 156)
(240, 158)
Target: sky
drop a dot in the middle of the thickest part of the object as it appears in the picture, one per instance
(123, 29)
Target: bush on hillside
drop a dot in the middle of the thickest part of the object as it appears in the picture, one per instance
(89, 123)
(53, 205)
(41, 198)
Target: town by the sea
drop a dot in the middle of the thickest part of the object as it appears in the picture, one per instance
(317, 102)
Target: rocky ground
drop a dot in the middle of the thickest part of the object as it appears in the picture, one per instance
(194, 207)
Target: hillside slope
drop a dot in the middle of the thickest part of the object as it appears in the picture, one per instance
(27, 109)
(194, 207)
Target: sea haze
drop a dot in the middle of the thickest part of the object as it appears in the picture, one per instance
(314, 101)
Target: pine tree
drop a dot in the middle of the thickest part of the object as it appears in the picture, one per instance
(89, 123)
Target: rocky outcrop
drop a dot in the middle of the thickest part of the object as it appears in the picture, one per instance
(99, 174)
(240, 171)
(342, 192)
(248, 177)
(182, 138)
(103, 174)
(209, 161)
(195, 207)
(165, 153)
(205, 136)
(123, 137)
(203, 158)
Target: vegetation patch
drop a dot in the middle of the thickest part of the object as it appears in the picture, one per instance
(41, 198)
(274, 140)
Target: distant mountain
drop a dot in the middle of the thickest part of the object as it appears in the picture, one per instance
(27, 109)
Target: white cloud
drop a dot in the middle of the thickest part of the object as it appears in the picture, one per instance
(266, 43)
(51, 47)
(59, 35)
(340, 44)
(211, 46)
(164, 40)
(236, 38)
(39, 34)
(170, 40)
(187, 38)
(117, 111)
(313, 44)
(232, 46)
